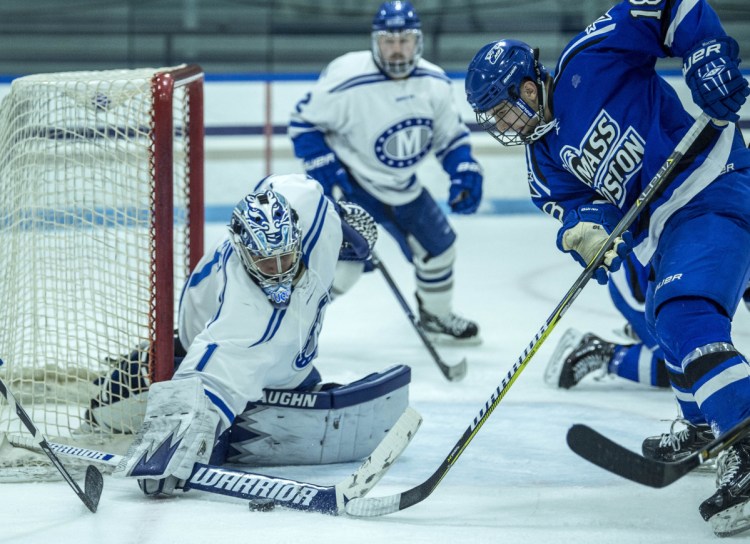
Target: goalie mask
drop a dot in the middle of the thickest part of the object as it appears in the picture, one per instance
(493, 89)
(396, 39)
(265, 234)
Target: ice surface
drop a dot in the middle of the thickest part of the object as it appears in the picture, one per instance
(517, 482)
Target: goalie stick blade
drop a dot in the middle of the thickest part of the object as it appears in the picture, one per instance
(380, 460)
(310, 497)
(611, 456)
(250, 486)
(93, 486)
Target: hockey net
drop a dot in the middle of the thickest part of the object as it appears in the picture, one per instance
(101, 218)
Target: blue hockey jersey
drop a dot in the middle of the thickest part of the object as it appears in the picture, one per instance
(617, 120)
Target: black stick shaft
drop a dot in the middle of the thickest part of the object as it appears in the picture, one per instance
(94, 489)
(451, 373)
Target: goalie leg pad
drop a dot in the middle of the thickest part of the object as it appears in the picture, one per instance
(179, 430)
(337, 424)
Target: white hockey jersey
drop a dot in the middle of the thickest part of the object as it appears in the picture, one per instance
(237, 342)
(382, 128)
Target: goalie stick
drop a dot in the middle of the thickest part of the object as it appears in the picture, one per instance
(271, 490)
(378, 506)
(603, 452)
(452, 373)
(93, 483)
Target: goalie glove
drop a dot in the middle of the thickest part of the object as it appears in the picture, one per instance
(179, 430)
(586, 229)
(360, 232)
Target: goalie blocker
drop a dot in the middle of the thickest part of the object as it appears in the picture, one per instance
(327, 423)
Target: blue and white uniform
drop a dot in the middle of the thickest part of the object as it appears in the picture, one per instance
(617, 121)
(377, 130)
(381, 128)
(643, 361)
(237, 343)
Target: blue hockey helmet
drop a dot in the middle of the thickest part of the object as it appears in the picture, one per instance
(265, 233)
(396, 38)
(494, 79)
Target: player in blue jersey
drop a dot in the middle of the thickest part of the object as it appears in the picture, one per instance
(596, 132)
(368, 123)
(639, 358)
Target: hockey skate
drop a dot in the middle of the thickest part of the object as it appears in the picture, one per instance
(576, 356)
(676, 445)
(450, 329)
(728, 510)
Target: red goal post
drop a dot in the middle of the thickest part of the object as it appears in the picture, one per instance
(101, 220)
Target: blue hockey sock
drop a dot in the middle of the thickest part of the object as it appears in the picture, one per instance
(640, 364)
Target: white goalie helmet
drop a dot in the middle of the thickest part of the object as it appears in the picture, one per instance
(396, 39)
(265, 233)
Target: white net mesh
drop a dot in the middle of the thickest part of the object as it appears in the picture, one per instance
(76, 231)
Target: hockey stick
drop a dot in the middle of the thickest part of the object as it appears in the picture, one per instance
(94, 483)
(452, 373)
(268, 491)
(606, 453)
(377, 506)
(611, 456)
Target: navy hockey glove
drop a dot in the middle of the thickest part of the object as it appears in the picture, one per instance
(585, 230)
(360, 232)
(712, 72)
(329, 171)
(465, 192)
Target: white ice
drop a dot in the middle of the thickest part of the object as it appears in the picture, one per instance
(516, 482)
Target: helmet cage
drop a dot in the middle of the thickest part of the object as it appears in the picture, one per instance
(397, 68)
(264, 232)
(396, 19)
(493, 87)
(515, 116)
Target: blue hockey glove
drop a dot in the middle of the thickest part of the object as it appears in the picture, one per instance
(585, 230)
(360, 232)
(329, 171)
(712, 72)
(465, 192)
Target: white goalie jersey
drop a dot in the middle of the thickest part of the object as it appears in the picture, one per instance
(381, 128)
(237, 342)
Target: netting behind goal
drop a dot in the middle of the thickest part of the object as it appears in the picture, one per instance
(101, 217)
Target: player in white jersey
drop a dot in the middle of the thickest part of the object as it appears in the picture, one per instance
(249, 318)
(364, 129)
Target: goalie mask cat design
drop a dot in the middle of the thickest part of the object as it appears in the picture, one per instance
(265, 233)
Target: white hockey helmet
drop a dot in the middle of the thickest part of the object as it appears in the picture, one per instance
(265, 233)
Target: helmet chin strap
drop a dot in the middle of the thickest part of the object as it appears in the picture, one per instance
(540, 86)
(543, 127)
